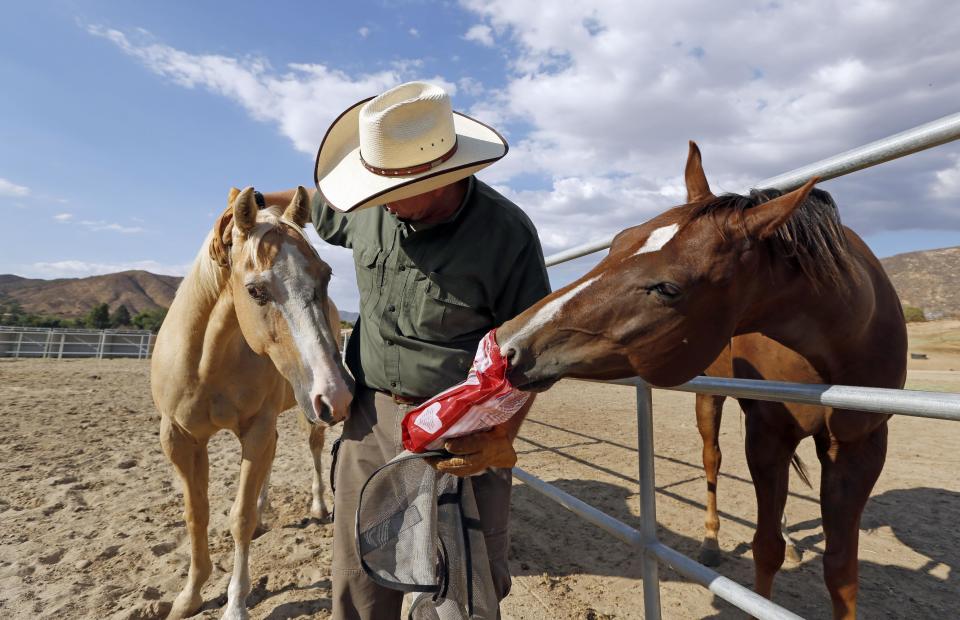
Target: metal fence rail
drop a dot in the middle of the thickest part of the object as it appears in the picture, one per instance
(54, 343)
(902, 402)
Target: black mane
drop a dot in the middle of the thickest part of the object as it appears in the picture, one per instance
(812, 238)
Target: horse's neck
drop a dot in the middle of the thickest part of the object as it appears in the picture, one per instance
(203, 321)
(837, 329)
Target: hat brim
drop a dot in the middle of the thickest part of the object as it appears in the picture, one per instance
(347, 185)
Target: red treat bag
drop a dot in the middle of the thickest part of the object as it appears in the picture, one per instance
(483, 401)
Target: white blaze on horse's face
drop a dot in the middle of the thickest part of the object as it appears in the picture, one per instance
(546, 314)
(658, 238)
(286, 291)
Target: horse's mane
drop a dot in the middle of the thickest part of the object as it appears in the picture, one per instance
(208, 275)
(812, 238)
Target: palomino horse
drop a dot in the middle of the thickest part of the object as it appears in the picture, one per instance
(251, 332)
(673, 292)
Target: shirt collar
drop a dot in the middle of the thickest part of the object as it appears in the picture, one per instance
(413, 227)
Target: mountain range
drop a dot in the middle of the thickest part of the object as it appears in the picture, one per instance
(928, 279)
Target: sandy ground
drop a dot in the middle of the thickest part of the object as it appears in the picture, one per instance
(91, 525)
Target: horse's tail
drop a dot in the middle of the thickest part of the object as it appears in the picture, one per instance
(801, 470)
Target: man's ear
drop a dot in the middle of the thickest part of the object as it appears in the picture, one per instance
(763, 220)
(298, 211)
(245, 211)
(698, 189)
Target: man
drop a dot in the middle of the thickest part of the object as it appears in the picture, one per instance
(441, 258)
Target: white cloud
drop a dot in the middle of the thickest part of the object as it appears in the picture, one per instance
(364, 32)
(605, 94)
(80, 269)
(302, 100)
(100, 225)
(947, 182)
(413, 32)
(480, 33)
(470, 86)
(63, 217)
(9, 188)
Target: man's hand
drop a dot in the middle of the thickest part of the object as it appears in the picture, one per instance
(477, 452)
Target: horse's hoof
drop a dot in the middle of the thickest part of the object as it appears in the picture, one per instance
(236, 613)
(793, 554)
(710, 556)
(184, 606)
(260, 530)
(319, 512)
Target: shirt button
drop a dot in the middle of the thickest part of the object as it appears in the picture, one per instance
(389, 343)
(393, 384)
(392, 308)
(403, 267)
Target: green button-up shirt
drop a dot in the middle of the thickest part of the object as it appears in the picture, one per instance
(428, 296)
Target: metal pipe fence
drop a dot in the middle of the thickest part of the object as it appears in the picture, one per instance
(937, 405)
(55, 343)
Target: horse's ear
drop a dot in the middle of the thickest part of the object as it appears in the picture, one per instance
(245, 210)
(763, 220)
(298, 211)
(232, 195)
(698, 189)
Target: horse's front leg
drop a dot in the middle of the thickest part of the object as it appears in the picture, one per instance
(189, 457)
(259, 443)
(318, 507)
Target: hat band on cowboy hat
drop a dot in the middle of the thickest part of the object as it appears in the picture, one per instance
(430, 165)
(402, 143)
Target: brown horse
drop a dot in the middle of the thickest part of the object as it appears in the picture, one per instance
(251, 332)
(709, 410)
(673, 292)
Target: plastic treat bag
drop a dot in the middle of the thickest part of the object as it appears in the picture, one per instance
(483, 401)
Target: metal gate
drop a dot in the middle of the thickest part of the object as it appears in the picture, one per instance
(902, 402)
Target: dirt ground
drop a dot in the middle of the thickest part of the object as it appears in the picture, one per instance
(91, 525)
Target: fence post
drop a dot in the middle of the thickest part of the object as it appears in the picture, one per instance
(648, 503)
(103, 337)
(63, 337)
(16, 354)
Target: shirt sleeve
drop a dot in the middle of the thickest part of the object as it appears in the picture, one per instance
(526, 285)
(332, 225)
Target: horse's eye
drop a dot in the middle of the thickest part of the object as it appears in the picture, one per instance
(258, 293)
(666, 290)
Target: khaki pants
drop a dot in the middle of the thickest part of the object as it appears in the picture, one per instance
(371, 437)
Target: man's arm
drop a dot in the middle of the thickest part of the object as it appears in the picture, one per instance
(283, 198)
(330, 224)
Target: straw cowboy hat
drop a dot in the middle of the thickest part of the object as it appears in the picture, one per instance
(402, 143)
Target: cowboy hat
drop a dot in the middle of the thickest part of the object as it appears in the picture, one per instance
(402, 143)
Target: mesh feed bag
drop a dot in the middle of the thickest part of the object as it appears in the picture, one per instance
(418, 530)
(485, 399)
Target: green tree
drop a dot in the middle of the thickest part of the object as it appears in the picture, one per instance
(99, 317)
(121, 317)
(150, 319)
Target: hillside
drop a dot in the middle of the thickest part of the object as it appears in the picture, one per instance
(929, 279)
(73, 297)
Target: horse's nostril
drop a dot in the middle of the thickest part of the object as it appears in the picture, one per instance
(320, 407)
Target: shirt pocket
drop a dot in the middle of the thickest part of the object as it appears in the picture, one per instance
(450, 309)
(369, 269)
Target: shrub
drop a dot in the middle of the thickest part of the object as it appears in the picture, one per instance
(913, 314)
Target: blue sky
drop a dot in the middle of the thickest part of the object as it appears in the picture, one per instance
(124, 124)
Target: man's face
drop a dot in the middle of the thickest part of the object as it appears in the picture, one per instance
(418, 207)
